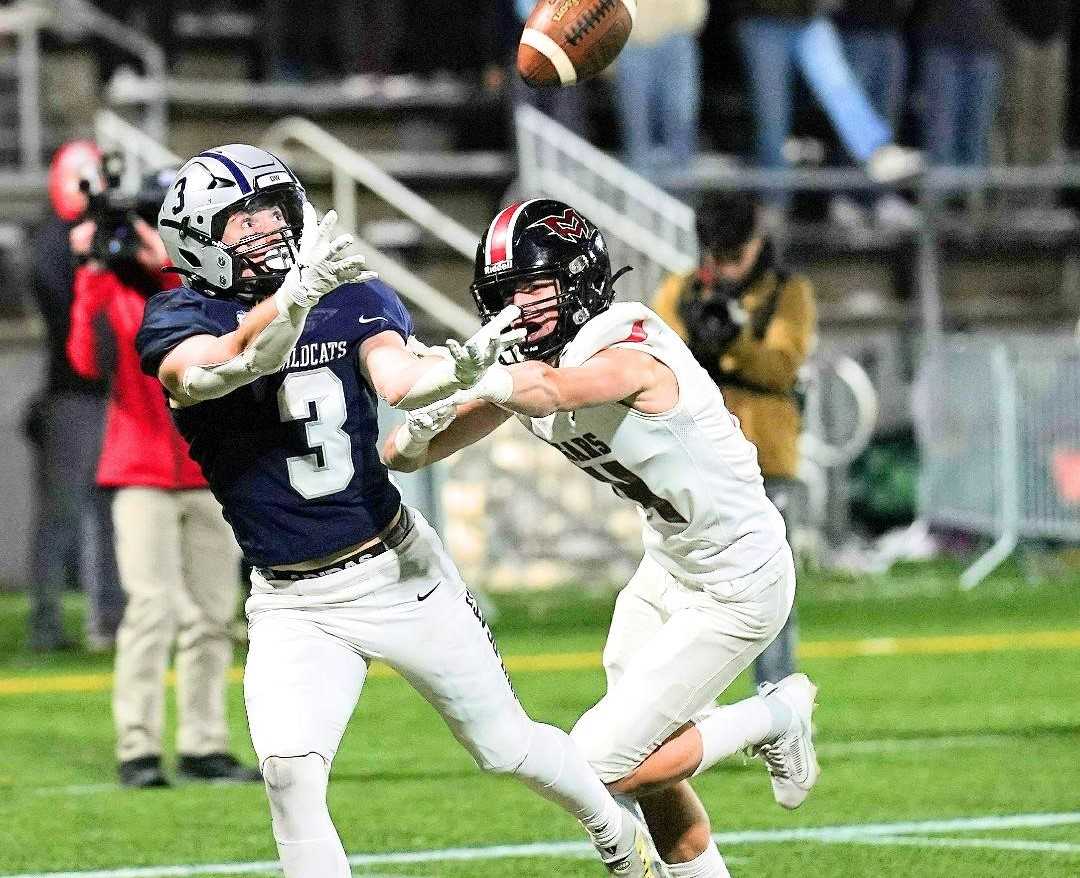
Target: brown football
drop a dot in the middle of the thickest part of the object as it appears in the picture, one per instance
(566, 41)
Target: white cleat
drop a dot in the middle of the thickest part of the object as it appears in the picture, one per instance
(791, 759)
(632, 858)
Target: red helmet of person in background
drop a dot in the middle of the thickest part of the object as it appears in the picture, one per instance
(74, 171)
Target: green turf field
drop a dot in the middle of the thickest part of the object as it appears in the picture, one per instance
(948, 731)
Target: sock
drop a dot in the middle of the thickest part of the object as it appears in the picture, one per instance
(307, 841)
(556, 770)
(733, 727)
(706, 865)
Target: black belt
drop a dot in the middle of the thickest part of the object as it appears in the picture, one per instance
(393, 538)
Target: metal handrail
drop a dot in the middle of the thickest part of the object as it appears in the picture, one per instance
(348, 169)
(343, 157)
(78, 16)
(72, 18)
(543, 142)
(676, 252)
(141, 152)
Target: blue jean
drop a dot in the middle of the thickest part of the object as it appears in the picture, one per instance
(74, 531)
(772, 47)
(878, 58)
(960, 96)
(778, 659)
(658, 100)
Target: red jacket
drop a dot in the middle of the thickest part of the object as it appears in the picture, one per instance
(141, 447)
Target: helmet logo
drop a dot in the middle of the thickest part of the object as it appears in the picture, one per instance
(569, 225)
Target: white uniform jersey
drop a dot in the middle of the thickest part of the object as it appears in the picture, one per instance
(693, 474)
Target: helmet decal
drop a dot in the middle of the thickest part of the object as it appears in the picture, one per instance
(568, 225)
(238, 175)
(498, 255)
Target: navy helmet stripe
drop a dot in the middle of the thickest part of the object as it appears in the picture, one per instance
(241, 181)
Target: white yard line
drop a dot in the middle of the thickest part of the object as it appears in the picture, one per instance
(908, 832)
(1004, 844)
(901, 745)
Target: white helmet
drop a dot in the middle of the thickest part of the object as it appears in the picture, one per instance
(206, 191)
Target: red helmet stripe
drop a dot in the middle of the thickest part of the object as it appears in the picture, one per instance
(501, 234)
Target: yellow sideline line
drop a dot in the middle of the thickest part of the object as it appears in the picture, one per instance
(576, 661)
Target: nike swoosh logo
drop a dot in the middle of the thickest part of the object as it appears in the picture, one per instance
(370, 319)
(424, 597)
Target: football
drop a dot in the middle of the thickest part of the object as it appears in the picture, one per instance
(566, 41)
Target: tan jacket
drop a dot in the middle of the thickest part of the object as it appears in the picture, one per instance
(768, 414)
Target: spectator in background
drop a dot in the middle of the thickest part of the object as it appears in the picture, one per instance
(658, 86)
(73, 536)
(777, 35)
(874, 44)
(1036, 86)
(177, 557)
(960, 44)
(751, 325)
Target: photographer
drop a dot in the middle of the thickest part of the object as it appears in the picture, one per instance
(73, 531)
(751, 325)
(177, 558)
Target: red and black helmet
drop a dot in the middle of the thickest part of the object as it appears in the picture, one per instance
(538, 240)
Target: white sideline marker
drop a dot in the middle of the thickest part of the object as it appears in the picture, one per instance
(908, 833)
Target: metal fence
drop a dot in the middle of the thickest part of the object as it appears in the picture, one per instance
(998, 420)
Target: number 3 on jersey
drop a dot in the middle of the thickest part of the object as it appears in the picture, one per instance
(331, 445)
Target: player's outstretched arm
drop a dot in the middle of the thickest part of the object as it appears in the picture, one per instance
(437, 431)
(409, 382)
(612, 375)
(207, 367)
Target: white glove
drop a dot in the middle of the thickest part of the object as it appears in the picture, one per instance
(480, 352)
(320, 267)
(421, 426)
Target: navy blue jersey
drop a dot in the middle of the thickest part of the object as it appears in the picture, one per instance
(292, 457)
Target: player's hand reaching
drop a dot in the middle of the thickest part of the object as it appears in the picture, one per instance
(321, 264)
(421, 426)
(475, 356)
(426, 423)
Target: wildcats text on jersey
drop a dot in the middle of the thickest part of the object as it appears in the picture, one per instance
(316, 353)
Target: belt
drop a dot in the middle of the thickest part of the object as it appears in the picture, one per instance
(391, 539)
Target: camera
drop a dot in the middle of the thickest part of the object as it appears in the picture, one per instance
(114, 212)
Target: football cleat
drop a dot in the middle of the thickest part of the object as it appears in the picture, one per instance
(631, 857)
(791, 759)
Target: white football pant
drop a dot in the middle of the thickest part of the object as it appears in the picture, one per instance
(672, 649)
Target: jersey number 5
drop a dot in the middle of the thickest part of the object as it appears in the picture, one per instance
(329, 468)
(624, 483)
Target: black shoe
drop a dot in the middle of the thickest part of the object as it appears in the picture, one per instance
(216, 767)
(143, 773)
(51, 643)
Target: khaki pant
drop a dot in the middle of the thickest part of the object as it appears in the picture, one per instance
(178, 565)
